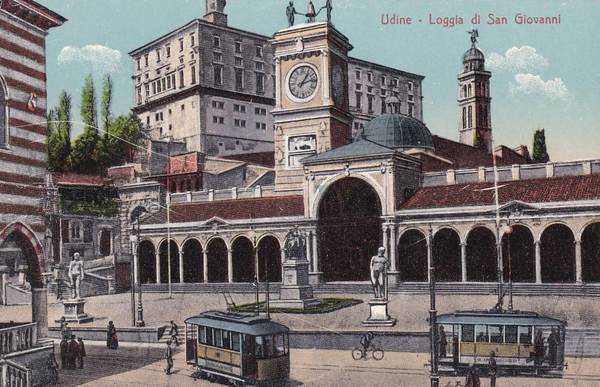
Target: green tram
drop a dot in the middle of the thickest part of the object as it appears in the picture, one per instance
(522, 342)
(238, 347)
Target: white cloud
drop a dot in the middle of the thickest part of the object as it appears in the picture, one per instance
(534, 84)
(524, 58)
(101, 58)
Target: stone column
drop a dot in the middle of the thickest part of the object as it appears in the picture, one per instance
(282, 255)
(39, 310)
(229, 265)
(463, 261)
(538, 262)
(315, 276)
(429, 257)
(181, 266)
(158, 266)
(3, 282)
(205, 265)
(309, 252)
(578, 273)
(393, 274)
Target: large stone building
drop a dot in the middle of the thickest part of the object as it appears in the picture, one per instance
(213, 86)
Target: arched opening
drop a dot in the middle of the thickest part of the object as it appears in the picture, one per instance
(349, 230)
(558, 254)
(590, 253)
(192, 261)
(17, 250)
(217, 260)
(269, 259)
(105, 243)
(412, 256)
(482, 263)
(243, 260)
(164, 262)
(518, 263)
(446, 255)
(147, 262)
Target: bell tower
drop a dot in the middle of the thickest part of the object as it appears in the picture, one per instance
(215, 12)
(311, 112)
(474, 101)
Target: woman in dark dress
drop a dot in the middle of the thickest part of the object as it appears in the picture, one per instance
(112, 341)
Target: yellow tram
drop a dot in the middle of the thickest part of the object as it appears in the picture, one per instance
(238, 347)
(521, 342)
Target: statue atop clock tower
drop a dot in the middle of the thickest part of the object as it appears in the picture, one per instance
(311, 112)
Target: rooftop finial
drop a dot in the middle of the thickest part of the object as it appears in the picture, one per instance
(474, 35)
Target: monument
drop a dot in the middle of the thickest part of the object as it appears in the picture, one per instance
(74, 306)
(378, 305)
(295, 291)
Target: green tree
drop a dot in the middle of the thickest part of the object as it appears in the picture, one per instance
(105, 104)
(104, 148)
(59, 134)
(52, 140)
(540, 153)
(83, 154)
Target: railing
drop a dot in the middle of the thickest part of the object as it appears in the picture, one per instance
(14, 375)
(224, 194)
(18, 338)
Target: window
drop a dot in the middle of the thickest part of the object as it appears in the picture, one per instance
(146, 60)
(357, 74)
(218, 105)
(218, 120)
(259, 51)
(182, 107)
(216, 41)
(370, 103)
(226, 339)
(411, 97)
(239, 123)
(411, 109)
(239, 108)
(168, 81)
(238, 47)
(180, 44)
(470, 117)
(75, 230)
(168, 51)
(395, 82)
(259, 66)
(235, 341)
(193, 71)
(260, 111)
(261, 126)
(138, 64)
(260, 83)
(163, 84)
(496, 333)
(218, 72)
(468, 333)
(217, 57)
(239, 79)
(147, 88)
(202, 334)
(383, 81)
(358, 86)
(148, 120)
(173, 80)
(370, 77)
(153, 87)
(481, 334)
(239, 62)
(383, 92)
(464, 117)
(359, 101)
(525, 335)
(510, 334)
(181, 79)
(410, 87)
(383, 107)
(192, 40)
(158, 54)
(369, 89)
(138, 93)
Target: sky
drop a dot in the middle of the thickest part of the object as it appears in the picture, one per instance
(543, 76)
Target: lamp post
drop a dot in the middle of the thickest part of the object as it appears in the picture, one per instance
(132, 267)
(434, 378)
(135, 242)
(508, 229)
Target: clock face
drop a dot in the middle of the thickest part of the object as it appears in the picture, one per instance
(303, 82)
(338, 84)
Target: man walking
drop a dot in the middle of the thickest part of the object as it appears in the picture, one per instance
(72, 353)
(64, 346)
(80, 352)
(493, 369)
(174, 332)
(169, 357)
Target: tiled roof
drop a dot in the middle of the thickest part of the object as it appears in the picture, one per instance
(556, 189)
(77, 179)
(267, 207)
(360, 147)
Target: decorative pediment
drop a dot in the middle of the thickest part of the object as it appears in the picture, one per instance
(216, 222)
(517, 208)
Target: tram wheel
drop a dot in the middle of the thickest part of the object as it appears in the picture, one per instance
(357, 354)
(378, 354)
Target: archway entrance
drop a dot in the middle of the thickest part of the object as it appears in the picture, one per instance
(446, 256)
(217, 260)
(349, 230)
(164, 262)
(558, 254)
(590, 253)
(17, 249)
(147, 262)
(243, 260)
(412, 257)
(520, 264)
(192, 261)
(269, 259)
(482, 263)
(105, 243)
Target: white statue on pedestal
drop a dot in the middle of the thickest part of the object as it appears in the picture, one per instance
(76, 274)
(379, 265)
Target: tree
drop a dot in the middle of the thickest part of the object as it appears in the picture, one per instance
(83, 157)
(59, 134)
(52, 141)
(104, 149)
(105, 105)
(540, 153)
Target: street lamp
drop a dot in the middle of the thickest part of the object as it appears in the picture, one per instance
(434, 378)
(508, 229)
(135, 242)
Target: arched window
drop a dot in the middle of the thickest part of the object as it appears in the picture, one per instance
(470, 117)
(469, 93)
(3, 114)
(464, 91)
(464, 117)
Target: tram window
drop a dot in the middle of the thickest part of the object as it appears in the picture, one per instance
(524, 335)
(259, 348)
(248, 344)
(235, 341)
(202, 334)
(468, 333)
(510, 334)
(278, 345)
(495, 333)
(218, 338)
(226, 339)
(481, 333)
(268, 340)
(210, 336)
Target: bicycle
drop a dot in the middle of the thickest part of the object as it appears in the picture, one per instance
(361, 353)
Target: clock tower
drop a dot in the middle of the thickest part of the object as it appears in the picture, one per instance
(311, 112)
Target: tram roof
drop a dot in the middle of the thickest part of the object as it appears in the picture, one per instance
(246, 323)
(498, 318)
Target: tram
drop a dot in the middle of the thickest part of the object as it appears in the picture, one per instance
(238, 347)
(522, 342)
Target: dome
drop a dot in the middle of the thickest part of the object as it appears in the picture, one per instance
(473, 53)
(398, 131)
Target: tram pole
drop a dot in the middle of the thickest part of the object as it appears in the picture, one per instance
(434, 378)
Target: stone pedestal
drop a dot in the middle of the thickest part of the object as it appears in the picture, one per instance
(295, 291)
(74, 311)
(39, 310)
(379, 316)
(315, 278)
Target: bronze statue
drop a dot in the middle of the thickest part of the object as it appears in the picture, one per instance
(474, 35)
(329, 7)
(290, 12)
(295, 245)
(379, 265)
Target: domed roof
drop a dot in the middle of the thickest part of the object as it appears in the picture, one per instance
(398, 131)
(473, 53)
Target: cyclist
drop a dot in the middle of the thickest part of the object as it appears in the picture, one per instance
(365, 341)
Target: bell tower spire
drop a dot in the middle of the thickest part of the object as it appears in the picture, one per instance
(215, 12)
(474, 101)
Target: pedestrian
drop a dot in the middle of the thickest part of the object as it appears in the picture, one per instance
(442, 342)
(473, 377)
(169, 357)
(552, 347)
(174, 332)
(52, 366)
(73, 353)
(63, 352)
(80, 351)
(112, 341)
(493, 369)
(538, 345)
